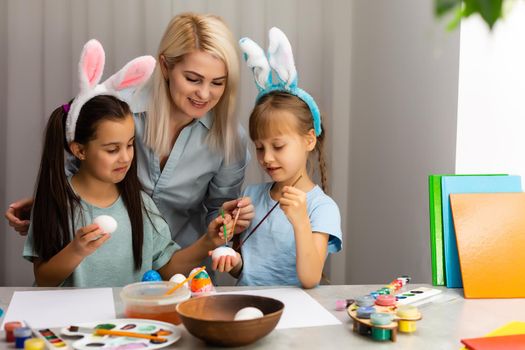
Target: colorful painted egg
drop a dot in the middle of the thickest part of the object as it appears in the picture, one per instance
(201, 282)
(151, 275)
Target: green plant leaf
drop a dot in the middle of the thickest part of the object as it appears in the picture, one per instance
(441, 7)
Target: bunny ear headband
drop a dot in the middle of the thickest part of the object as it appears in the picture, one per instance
(280, 60)
(123, 84)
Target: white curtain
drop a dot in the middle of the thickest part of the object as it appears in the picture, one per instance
(40, 45)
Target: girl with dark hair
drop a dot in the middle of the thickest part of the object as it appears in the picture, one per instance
(97, 128)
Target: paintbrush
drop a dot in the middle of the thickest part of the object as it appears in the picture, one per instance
(235, 220)
(101, 331)
(224, 228)
(186, 280)
(265, 216)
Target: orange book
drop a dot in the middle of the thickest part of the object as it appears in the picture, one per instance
(505, 342)
(490, 234)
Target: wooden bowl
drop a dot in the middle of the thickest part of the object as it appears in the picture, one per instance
(210, 318)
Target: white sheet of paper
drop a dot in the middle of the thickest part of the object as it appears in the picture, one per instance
(61, 308)
(300, 309)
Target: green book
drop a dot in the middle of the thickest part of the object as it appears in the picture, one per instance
(436, 226)
(436, 230)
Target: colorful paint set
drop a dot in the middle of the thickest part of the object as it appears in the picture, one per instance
(123, 334)
(53, 342)
(382, 313)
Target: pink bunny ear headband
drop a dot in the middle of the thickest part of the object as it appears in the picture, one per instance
(122, 84)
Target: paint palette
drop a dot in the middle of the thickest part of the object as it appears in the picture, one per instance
(91, 341)
(415, 295)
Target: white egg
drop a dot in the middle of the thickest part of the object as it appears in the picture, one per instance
(106, 223)
(178, 278)
(222, 251)
(248, 313)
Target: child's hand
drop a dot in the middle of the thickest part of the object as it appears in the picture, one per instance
(216, 229)
(293, 204)
(88, 239)
(225, 263)
(246, 215)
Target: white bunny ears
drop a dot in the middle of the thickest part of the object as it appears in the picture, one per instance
(121, 84)
(280, 59)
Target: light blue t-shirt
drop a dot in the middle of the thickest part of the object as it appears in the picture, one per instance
(112, 265)
(269, 256)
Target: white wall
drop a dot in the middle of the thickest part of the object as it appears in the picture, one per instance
(491, 105)
(403, 127)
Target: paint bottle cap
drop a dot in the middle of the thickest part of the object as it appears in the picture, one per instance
(34, 344)
(365, 300)
(22, 332)
(407, 311)
(380, 318)
(340, 304)
(386, 300)
(11, 326)
(365, 311)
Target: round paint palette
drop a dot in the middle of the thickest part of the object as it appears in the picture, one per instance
(91, 341)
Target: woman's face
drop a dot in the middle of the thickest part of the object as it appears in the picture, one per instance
(196, 83)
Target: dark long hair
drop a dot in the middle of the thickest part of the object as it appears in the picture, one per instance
(55, 202)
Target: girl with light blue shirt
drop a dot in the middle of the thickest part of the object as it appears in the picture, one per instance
(290, 245)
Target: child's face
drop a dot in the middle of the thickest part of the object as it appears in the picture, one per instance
(284, 156)
(108, 157)
(197, 83)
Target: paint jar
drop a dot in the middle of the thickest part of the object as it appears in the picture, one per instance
(380, 318)
(148, 300)
(34, 344)
(365, 311)
(362, 328)
(381, 334)
(405, 313)
(21, 334)
(365, 300)
(9, 328)
(386, 300)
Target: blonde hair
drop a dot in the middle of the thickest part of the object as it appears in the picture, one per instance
(186, 33)
(267, 121)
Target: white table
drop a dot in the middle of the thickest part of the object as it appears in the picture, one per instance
(447, 318)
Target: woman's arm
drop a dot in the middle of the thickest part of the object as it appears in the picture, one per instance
(184, 260)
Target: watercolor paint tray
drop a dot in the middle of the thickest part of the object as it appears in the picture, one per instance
(91, 341)
(415, 295)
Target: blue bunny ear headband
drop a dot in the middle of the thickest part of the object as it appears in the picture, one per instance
(280, 60)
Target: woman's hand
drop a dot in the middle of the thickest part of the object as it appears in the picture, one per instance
(216, 230)
(244, 208)
(293, 204)
(18, 215)
(88, 239)
(225, 263)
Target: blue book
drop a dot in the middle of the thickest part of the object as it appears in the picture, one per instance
(466, 184)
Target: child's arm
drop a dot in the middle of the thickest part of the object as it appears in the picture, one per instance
(53, 272)
(184, 260)
(231, 264)
(310, 247)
